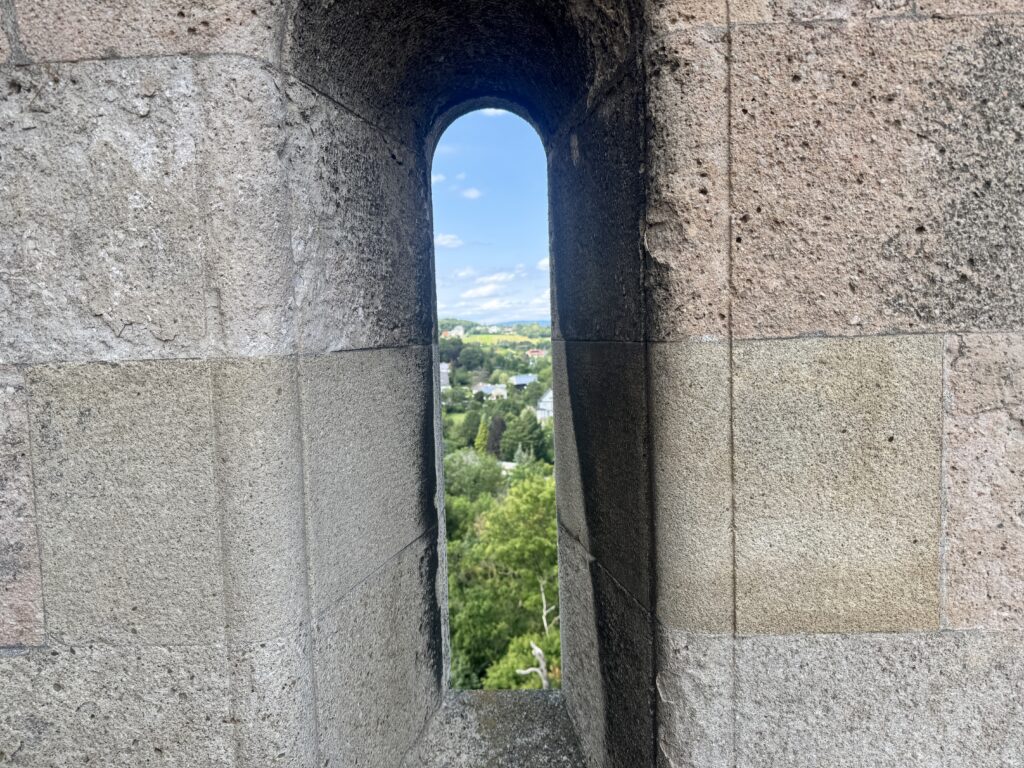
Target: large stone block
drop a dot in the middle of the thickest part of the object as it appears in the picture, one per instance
(687, 215)
(378, 662)
(817, 10)
(984, 470)
(64, 30)
(877, 177)
(115, 707)
(21, 606)
(249, 266)
(368, 437)
(692, 484)
(665, 17)
(955, 7)
(601, 442)
(607, 661)
(837, 467)
(259, 481)
(695, 700)
(596, 200)
(360, 230)
(273, 705)
(124, 478)
(102, 228)
(885, 701)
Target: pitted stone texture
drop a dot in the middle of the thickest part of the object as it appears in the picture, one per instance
(877, 176)
(369, 466)
(668, 16)
(692, 482)
(837, 468)
(66, 30)
(250, 270)
(123, 466)
(601, 441)
(360, 230)
(596, 197)
(695, 700)
(984, 465)
(817, 10)
(273, 706)
(378, 662)
(259, 481)
(955, 7)
(21, 591)
(687, 217)
(607, 662)
(115, 707)
(499, 728)
(884, 701)
(102, 235)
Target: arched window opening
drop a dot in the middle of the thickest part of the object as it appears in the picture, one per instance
(492, 274)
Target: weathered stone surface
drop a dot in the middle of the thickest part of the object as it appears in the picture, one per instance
(368, 434)
(250, 270)
(378, 662)
(273, 705)
(596, 193)
(954, 7)
(360, 230)
(504, 728)
(102, 236)
(259, 483)
(687, 215)
(21, 592)
(692, 482)
(984, 470)
(695, 700)
(886, 700)
(837, 471)
(115, 707)
(607, 663)
(64, 30)
(668, 16)
(877, 173)
(600, 439)
(817, 10)
(123, 466)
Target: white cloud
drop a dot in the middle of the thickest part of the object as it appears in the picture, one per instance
(461, 176)
(472, 193)
(437, 178)
(497, 277)
(542, 300)
(448, 241)
(493, 304)
(491, 112)
(488, 289)
(465, 273)
(544, 264)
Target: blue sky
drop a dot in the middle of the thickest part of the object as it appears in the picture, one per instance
(489, 183)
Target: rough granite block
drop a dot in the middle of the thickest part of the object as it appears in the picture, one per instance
(360, 230)
(102, 226)
(956, 7)
(695, 700)
(837, 466)
(378, 662)
(368, 437)
(665, 17)
(817, 10)
(259, 481)
(63, 30)
(877, 177)
(687, 216)
(600, 439)
(984, 475)
(21, 591)
(884, 700)
(124, 481)
(99, 705)
(692, 484)
(273, 704)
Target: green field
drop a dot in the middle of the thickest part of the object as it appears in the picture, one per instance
(497, 339)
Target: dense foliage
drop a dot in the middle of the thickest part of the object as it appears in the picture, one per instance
(500, 511)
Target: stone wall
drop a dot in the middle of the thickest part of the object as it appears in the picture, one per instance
(788, 270)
